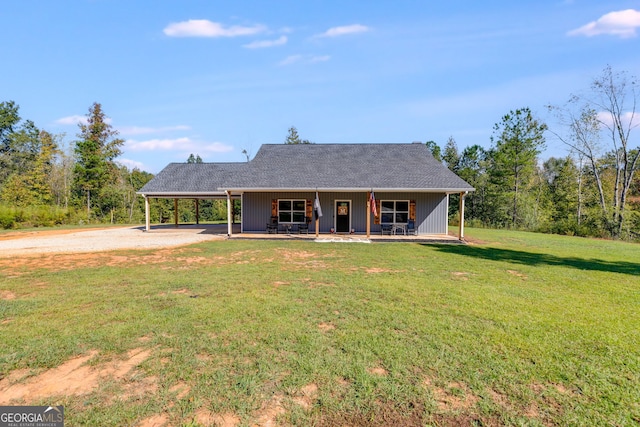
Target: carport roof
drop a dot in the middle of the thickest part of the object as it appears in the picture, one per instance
(192, 179)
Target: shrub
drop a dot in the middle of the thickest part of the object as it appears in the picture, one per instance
(35, 216)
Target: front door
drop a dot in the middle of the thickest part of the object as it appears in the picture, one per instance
(343, 216)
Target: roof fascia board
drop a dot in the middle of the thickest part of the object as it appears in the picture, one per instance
(181, 194)
(354, 190)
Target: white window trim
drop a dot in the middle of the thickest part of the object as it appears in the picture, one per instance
(408, 202)
(293, 210)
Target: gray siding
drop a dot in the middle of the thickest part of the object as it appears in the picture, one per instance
(431, 210)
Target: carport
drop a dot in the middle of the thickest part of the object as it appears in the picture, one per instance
(196, 181)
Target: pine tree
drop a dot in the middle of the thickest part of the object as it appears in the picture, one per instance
(519, 137)
(95, 153)
(451, 156)
(294, 138)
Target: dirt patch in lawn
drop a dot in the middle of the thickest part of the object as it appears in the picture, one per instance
(377, 270)
(379, 371)
(454, 397)
(60, 262)
(7, 295)
(384, 413)
(472, 241)
(307, 395)
(270, 411)
(12, 235)
(154, 421)
(325, 327)
(517, 274)
(294, 259)
(74, 377)
(207, 419)
(175, 258)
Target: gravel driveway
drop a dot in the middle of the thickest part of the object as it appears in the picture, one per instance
(106, 239)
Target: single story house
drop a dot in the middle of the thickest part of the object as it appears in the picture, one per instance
(360, 188)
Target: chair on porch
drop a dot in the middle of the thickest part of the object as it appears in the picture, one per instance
(386, 229)
(411, 228)
(272, 227)
(304, 227)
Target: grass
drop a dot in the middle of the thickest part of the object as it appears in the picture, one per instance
(516, 329)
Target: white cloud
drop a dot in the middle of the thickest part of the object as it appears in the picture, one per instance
(72, 120)
(131, 164)
(76, 119)
(303, 59)
(258, 44)
(319, 58)
(216, 147)
(159, 144)
(206, 28)
(141, 130)
(622, 23)
(184, 144)
(344, 30)
(627, 119)
(291, 59)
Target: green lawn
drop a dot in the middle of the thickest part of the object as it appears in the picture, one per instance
(515, 329)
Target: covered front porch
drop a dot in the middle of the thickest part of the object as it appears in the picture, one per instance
(392, 232)
(222, 231)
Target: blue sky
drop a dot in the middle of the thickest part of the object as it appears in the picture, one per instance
(216, 77)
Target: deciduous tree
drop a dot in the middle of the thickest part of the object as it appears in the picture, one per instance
(599, 125)
(435, 149)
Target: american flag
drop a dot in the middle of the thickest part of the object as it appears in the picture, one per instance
(317, 208)
(372, 199)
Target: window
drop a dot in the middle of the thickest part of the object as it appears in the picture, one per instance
(394, 211)
(292, 210)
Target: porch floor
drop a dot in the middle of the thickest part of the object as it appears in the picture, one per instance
(221, 229)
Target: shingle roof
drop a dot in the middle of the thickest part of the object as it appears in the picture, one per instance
(339, 167)
(192, 178)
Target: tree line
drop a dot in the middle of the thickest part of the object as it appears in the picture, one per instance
(592, 191)
(44, 182)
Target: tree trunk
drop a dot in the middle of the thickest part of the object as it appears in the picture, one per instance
(514, 217)
(88, 204)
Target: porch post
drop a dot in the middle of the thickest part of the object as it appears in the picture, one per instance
(368, 215)
(229, 217)
(197, 211)
(147, 219)
(461, 226)
(175, 212)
